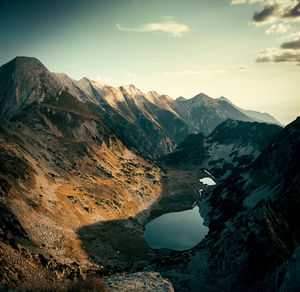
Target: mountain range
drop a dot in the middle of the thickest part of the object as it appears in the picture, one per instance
(150, 123)
(85, 166)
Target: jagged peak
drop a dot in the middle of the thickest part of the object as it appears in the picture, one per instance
(131, 86)
(131, 90)
(153, 93)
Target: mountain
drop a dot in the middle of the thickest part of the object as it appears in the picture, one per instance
(232, 145)
(61, 170)
(253, 241)
(180, 98)
(255, 115)
(144, 122)
(80, 178)
(149, 123)
(205, 113)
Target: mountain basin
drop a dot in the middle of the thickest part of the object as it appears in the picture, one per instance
(177, 230)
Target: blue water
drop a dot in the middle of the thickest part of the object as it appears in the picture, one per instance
(177, 231)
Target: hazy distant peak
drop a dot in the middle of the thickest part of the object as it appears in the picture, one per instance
(202, 99)
(224, 99)
(201, 96)
(255, 115)
(180, 98)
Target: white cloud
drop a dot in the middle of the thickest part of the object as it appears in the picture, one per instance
(278, 55)
(278, 28)
(273, 11)
(292, 37)
(171, 27)
(278, 13)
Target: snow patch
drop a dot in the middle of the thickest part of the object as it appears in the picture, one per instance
(207, 181)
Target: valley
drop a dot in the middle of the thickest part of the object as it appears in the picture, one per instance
(85, 166)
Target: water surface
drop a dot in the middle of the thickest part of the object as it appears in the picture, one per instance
(177, 230)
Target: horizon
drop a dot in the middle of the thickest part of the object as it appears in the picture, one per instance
(238, 49)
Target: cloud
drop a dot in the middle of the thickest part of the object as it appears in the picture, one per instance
(278, 28)
(276, 10)
(293, 36)
(171, 27)
(278, 55)
(273, 10)
(293, 12)
(266, 14)
(291, 45)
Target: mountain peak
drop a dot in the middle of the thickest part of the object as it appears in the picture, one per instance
(202, 99)
(201, 96)
(180, 98)
(23, 81)
(224, 99)
(153, 93)
(26, 63)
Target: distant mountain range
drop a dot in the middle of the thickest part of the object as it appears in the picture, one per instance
(150, 123)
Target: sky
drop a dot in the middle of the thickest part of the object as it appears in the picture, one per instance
(245, 50)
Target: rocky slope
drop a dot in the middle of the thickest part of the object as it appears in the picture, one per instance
(253, 241)
(233, 145)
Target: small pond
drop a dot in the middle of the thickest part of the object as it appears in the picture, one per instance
(178, 230)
